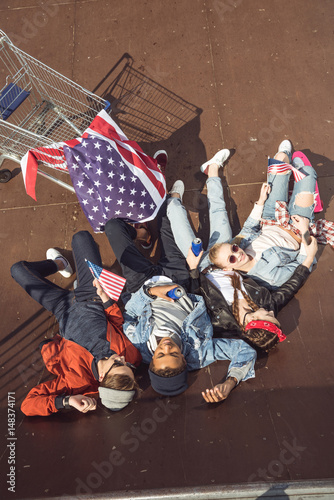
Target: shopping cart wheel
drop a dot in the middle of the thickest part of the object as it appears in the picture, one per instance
(5, 175)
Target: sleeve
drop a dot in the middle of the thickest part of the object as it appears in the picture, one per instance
(134, 307)
(284, 293)
(114, 315)
(41, 400)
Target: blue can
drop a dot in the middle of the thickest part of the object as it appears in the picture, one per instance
(176, 293)
(196, 246)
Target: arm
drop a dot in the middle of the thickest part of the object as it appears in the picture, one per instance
(193, 262)
(284, 293)
(44, 400)
(252, 223)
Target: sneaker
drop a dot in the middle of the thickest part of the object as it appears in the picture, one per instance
(285, 147)
(219, 158)
(53, 254)
(178, 187)
(162, 157)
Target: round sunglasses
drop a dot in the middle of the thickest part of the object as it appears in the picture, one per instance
(232, 258)
(117, 363)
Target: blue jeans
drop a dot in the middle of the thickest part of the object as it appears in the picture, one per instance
(279, 192)
(31, 276)
(220, 229)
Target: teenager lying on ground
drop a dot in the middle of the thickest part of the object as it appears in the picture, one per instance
(173, 336)
(268, 250)
(91, 354)
(238, 308)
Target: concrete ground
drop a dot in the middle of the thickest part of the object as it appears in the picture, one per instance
(240, 74)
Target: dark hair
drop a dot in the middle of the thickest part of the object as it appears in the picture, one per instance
(168, 372)
(257, 337)
(120, 383)
(262, 339)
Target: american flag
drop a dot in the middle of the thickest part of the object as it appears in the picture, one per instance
(111, 175)
(277, 167)
(111, 283)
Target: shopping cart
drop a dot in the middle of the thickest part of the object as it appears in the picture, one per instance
(39, 107)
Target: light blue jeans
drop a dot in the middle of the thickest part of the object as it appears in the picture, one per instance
(220, 229)
(279, 191)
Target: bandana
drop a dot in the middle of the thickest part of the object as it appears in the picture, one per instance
(266, 325)
(169, 386)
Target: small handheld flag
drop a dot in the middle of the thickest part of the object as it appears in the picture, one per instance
(111, 283)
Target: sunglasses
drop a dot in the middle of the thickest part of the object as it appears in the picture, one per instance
(118, 363)
(232, 258)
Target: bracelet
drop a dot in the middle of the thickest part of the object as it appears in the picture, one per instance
(234, 379)
(66, 402)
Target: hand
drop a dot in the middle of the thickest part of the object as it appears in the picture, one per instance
(312, 248)
(161, 291)
(311, 251)
(265, 190)
(192, 260)
(99, 290)
(219, 392)
(82, 403)
(301, 223)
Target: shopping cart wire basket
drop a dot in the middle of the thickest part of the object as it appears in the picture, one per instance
(39, 106)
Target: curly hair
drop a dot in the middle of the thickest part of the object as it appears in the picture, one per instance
(168, 372)
(257, 337)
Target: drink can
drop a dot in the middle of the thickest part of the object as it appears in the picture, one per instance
(176, 293)
(196, 246)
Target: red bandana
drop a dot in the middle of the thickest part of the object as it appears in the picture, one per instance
(266, 325)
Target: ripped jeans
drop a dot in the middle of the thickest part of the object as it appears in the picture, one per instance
(279, 191)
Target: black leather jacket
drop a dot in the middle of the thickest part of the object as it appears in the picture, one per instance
(223, 321)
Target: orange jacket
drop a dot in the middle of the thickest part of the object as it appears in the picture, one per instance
(72, 366)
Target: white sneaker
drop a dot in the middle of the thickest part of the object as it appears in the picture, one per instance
(285, 147)
(219, 158)
(178, 187)
(53, 254)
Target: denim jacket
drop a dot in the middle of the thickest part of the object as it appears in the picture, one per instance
(276, 265)
(199, 348)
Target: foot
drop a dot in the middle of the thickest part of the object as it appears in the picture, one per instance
(286, 148)
(220, 392)
(64, 267)
(219, 159)
(177, 190)
(162, 158)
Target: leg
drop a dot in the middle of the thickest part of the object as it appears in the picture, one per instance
(303, 195)
(279, 184)
(84, 247)
(136, 268)
(31, 276)
(180, 224)
(172, 261)
(220, 229)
